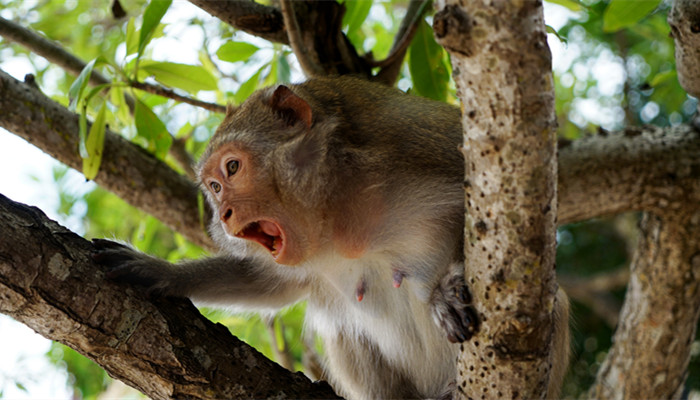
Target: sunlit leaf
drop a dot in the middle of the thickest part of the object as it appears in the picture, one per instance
(555, 33)
(75, 93)
(663, 77)
(427, 65)
(94, 144)
(356, 12)
(623, 13)
(151, 18)
(150, 127)
(191, 78)
(573, 5)
(247, 88)
(132, 44)
(236, 51)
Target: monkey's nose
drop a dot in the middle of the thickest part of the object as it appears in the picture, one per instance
(225, 213)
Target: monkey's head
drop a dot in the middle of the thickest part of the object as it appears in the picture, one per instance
(266, 174)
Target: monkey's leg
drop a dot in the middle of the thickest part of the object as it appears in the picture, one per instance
(561, 346)
(451, 307)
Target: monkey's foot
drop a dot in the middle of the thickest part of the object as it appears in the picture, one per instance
(452, 309)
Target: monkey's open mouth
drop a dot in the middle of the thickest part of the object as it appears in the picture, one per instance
(267, 233)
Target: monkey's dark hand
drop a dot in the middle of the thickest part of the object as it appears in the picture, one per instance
(451, 307)
(124, 264)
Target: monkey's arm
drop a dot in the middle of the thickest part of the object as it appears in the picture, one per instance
(225, 280)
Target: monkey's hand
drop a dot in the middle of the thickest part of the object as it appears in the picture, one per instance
(451, 306)
(124, 264)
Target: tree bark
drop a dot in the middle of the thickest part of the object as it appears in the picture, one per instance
(684, 19)
(165, 348)
(502, 68)
(651, 351)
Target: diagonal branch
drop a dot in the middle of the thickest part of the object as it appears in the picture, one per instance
(391, 65)
(127, 170)
(256, 19)
(310, 66)
(47, 49)
(165, 92)
(164, 348)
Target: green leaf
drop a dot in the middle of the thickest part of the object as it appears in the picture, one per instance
(95, 145)
(247, 88)
(151, 128)
(427, 65)
(75, 93)
(573, 5)
(356, 11)
(236, 51)
(151, 18)
(555, 33)
(132, 44)
(191, 78)
(284, 71)
(624, 13)
(663, 77)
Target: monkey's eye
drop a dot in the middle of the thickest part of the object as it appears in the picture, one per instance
(231, 167)
(215, 186)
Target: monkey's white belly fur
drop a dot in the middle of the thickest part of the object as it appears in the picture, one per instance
(395, 322)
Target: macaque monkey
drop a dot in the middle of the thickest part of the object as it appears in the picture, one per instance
(349, 195)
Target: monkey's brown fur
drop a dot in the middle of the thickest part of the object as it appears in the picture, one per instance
(349, 195)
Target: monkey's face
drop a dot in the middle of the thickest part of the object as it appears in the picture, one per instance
(247, 203)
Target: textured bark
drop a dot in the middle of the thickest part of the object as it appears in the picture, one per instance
(651, 350)
(647, 168)
(127, 170)
(320, 23)
(164, 348)
(684, 19)
(502, 68)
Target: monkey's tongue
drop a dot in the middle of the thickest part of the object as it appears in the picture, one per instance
(267, 233)
(270, 228)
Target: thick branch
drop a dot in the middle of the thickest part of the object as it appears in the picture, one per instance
(506, 89)
(257, 19)
(641, 169)
(127, 170)
(164, 348)
(651, 350)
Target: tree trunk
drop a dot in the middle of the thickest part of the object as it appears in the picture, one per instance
(502, 67)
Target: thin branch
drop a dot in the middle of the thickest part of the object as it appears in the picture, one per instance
(165, 92)
(407, 30)
(594, 292)
(310, 66)
(54, 53)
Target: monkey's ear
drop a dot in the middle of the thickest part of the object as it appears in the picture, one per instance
(292, 107)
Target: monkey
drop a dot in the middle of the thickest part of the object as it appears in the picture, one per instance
(346, 194)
